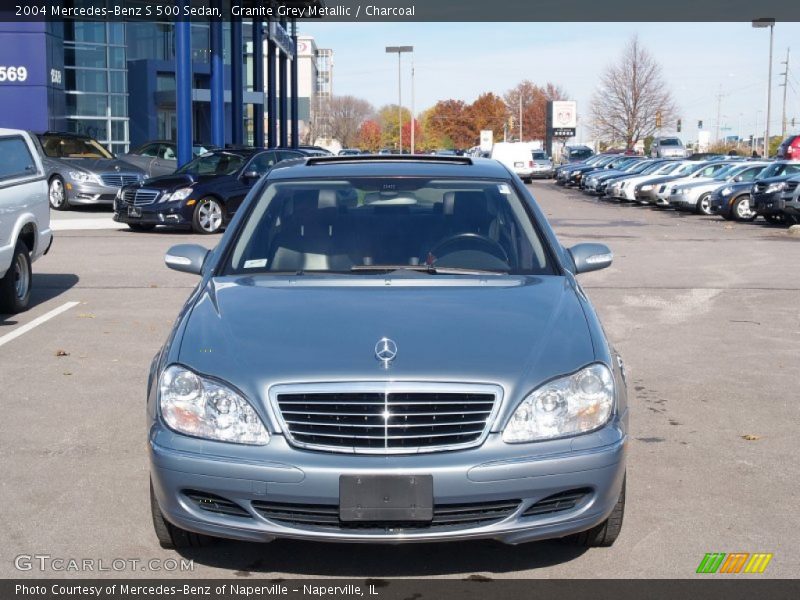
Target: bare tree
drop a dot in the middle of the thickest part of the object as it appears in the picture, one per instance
(341, 116)
(631, 94)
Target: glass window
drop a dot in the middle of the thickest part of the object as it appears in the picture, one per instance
(261, 163)
(86, 81)
(150, 41)
(89, 105)
(117, 82)
(94, 128)
(165, 82)
(68, 146)
(85, 31)
(116, 57)
(218, 163)
(118, 131)
(379, 224)
(669, 142)
(85, 56)
(15, 158)
(119, 106)
(148, 150)
(116, 33)
(167, 152)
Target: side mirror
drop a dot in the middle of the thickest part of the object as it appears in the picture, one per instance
(251, 176)
(590, 257)
(188, 258)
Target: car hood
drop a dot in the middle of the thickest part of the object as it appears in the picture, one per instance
(175, 180)
(515, 332)
(100, 165)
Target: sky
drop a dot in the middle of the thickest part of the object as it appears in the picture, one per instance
(463, 60)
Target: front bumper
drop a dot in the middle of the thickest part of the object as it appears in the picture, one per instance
(721, 205)
(683, 201)
(174, 214)
(89, 193)
(492, 472)
(646, 196)
(767, 204)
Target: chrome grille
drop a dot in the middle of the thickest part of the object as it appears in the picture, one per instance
(119, 179)
(386, 418)
(143, 196)
(791, 186)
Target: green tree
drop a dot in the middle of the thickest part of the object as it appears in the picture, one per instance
(390, 131)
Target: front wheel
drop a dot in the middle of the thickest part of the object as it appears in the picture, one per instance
(15, 286)
(704, 205)
(607, 532)
(208, 216)
(741, 210)
(57, 194)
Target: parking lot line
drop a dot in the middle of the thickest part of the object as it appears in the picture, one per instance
(36, 322)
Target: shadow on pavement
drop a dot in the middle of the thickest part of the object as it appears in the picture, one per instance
(372, 560)
(44, 287)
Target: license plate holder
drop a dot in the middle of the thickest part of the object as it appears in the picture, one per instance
(386, 498)
(135, 212)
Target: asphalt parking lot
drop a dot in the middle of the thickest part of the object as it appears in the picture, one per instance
(705, 312)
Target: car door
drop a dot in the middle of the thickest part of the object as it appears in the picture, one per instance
(165, 162)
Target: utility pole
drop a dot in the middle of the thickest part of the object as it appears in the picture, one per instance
(719, 111)
(413, 115)
(520, 116)
(785, 85)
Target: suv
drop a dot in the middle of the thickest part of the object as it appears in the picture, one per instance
(24, 217)
(790, 148)
(667, 147)
(767, 196)
(366, 407)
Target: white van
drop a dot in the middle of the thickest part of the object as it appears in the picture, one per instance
(516, 156)
(24, 217)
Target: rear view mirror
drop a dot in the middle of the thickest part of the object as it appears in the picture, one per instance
(590, 257)
(251, 176)
(188, 258)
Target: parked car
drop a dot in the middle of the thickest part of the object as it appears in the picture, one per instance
(624, 188)
(542, 164)
(592, 180)
(732, 201)
(333, 358)
(766, 197)
(25, 233)
(791, 200)
(160, 157)
(575, 173)
(309, 150)
(202, 195)
(790, 148)
(349, 152)
(80, 171)
(575, 154)
(563, 172)
(667, 147)
(695, 195)
(619, 162)
(518, 157)
(659, 191)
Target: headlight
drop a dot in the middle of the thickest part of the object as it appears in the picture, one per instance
(646, 188)
(177, 195)
(205, 408)
(83, 177)
(775, 187)
(575, 173)
(726, 191)
(567, 406)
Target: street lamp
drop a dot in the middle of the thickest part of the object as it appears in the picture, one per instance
(400, 50)
(760, 24)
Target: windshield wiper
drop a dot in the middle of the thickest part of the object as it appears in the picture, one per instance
(429, 269)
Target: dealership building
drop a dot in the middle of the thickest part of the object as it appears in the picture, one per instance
(125, 83)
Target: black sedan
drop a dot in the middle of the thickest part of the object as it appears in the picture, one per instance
(202, 195)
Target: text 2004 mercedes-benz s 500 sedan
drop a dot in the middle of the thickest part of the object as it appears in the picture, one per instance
(388, 349)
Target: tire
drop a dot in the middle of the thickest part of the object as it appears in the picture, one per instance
(741, 211)
(141, 226)
(208, 217)
(15, 286)
(57, 194)
(606, 533)
(775, 219)
(172, 537)
(703, 206)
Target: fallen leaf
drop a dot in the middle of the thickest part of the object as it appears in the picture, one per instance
(67, 373)
(751, 438)
(86, 316)
(62, 353)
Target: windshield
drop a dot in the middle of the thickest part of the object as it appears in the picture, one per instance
(778, 169)
(669, 142)
(578, 153)
(375, 225)
(58, 146)
(539, 155)
(218, 163)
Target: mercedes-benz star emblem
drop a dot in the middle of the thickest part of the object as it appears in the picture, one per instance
(385, 351)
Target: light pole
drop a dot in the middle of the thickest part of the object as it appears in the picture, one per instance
(759, 24)
(399, 50)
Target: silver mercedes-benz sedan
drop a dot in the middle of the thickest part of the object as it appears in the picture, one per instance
(388, 349)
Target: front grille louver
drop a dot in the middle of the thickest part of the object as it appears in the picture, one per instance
(558, 502)
(216, 504)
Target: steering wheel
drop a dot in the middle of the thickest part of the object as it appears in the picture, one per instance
(467, 241)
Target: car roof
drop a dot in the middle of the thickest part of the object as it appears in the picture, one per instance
(392, 165)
